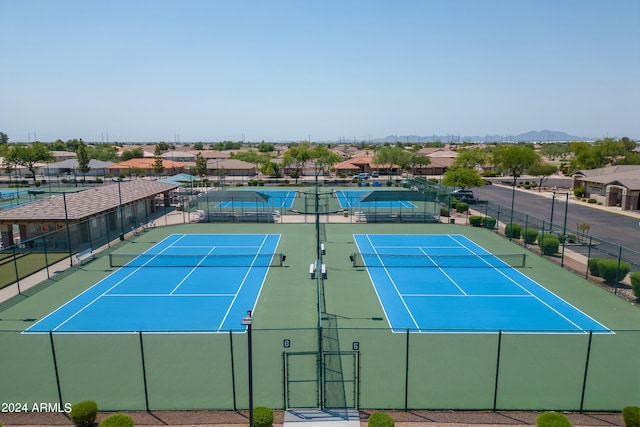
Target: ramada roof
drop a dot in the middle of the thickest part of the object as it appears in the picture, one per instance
(84, 204)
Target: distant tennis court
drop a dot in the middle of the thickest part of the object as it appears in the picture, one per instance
(187, 282)
(351, 199)
(448, 283)
(277, 199)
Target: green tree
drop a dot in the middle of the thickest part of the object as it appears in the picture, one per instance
(587, 156)
(631, 158)
(628, 144)
(198, 146)
(471, 158)
(83, 159)
(57, 145)
(158, 163)
(251, 156)
(201, 165)
(264, 147)
(271, 169)
(462, 178)
(515, 159)
(418, 160)
(104, 152)
(555, 150)
(4, 138)
(134, 153)
(323, 158)
(29, 156)
(542, 172)
(297, 155)
(389, 157)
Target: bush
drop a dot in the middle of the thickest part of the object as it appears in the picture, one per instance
(475, 220)
(490, 173)
(593, 266)
(262, 417)
(462, 207)
(444, 212)
(83, 414)
(530, 236)
(380, 419)
(489, 222)
(513, 231)
(552, 419)
(578, 192)
(545, 236)
(592, 201)
(608, 270)
(635, 284)
(631, 416)
(550, 246)
(117, 420)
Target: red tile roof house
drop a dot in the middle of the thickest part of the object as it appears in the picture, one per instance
(128, 167)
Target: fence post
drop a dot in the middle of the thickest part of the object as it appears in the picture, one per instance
(15, 266)
(233, 371)
(55, 368)
(586, 275)
(586, 371)
(46, 258)
(615, 287)
(495, 389)
(144, 373)
(406, 373)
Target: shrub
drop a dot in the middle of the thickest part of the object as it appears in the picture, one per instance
(545, 236)
(552, 419)
(462, 207)
(262, 417)
(635, 284)
(592, 201)
(380, 419)
(608, 270)
(529, 236)
(117, 420)
(578, 192)
(513, 230)
(489, 173)
(475, 220)
(444, 212)
(489, 222)
(631, 416)
(593, 266)
(83, 414)
(550, 246)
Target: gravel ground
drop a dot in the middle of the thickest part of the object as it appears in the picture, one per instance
(401, 418)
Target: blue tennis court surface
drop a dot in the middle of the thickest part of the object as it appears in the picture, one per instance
(474, 292)
(351, 199)
(174, 287)
(277, 199)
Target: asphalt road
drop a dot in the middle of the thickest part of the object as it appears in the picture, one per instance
(613, 227)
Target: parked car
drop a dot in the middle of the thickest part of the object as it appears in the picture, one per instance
(362, 175)
(465, 196)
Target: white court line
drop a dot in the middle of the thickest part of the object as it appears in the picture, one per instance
(244, 279)
(530, 293)
(404, 303)
(166, 295)
(443, 272)
(114, 286)
(192, 270)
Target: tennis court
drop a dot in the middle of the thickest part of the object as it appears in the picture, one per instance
(352, 199)
(276, 199)
(449, 283)
(186, 282)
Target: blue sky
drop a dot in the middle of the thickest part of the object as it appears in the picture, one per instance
(277, 70)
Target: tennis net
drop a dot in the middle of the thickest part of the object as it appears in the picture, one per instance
(196, 260)
(438, 260)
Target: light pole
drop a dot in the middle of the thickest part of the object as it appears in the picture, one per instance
(247, 321)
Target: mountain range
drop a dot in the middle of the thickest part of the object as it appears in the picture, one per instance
(531, 136)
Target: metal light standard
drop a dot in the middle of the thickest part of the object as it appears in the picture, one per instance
(247, 321)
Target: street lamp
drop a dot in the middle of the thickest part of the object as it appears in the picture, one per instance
(247, 321)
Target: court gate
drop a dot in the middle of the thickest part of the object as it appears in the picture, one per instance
(324, 380)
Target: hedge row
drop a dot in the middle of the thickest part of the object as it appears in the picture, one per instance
(482, 221)
(608, 270)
